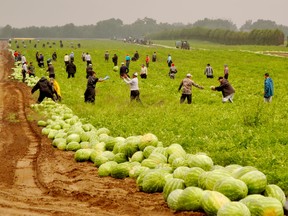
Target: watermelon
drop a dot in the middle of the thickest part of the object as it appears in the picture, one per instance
(153, 182)
(175, 156)
(73, 137)
(275, 191)
(207, 180)
(82, 155)
(261, 205)
(192, 175)
(105, 169)
(234, 189)
(73, 146)
(234, 209)
(212, 201)
(181, 172)
(238, 172)
(176, 148)
(148, 139)
(99, 160)
(136, 171)
(120, 171)
(115, 68)
(158, 157)
(200, 160)
(171, 185)
(190, 199)
(255, 180)
(178, 162)
(148, 150)
(120, 158)
(173, 199)
(152, 164)
(137, 156)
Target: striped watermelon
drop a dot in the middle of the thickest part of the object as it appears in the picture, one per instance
(212, 201)
(171, 185)
(234, 209)
(261, 205)
(275, 191)
(256, 181)
(173, 198)
(190, 199)
(234, 189)
(192, 175)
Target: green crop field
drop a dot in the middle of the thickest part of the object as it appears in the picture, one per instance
(247, 132)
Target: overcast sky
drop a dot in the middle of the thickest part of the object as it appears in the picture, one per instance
(60, 12)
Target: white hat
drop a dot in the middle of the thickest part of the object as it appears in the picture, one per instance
(188, 75)
(50, 63)
(122, 63)
(135, 74)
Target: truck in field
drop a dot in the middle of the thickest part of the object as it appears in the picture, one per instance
(182, 45)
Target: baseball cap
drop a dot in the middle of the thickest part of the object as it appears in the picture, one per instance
(188, 75)
(135, 74)
(122, 63)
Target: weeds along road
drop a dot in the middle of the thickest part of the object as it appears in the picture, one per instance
(36, 179)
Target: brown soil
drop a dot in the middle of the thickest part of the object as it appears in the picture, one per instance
(36, 179)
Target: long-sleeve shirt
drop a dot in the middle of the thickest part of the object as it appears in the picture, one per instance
(268, 87)
(132, 82)
(225, 88)
(187, 84)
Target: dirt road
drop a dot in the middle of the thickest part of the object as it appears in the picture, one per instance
(36, 179)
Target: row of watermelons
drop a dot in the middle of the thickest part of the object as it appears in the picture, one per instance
(189, 182)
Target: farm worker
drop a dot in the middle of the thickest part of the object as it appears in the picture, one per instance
(16, 55)
(187, 84)
(88, 59)
(268, 88)
(208, 71)
(147, 60)
(154, 57)
(66, 59)
(90, 93)
(51, 71)
(23, 59)
(106, 56)
(55, 89)
(134, 88)
(83, 56)
(54, 56)
(45, 88)
(89, 69)
(136, 56)
(123, 70)
(71, 56)
(169, 60)
(226, 89)
(143, 72)
(127, 59)
(115, 60)
(31, 70)
(24, 71)
(71, 69)
(41, 60)
(226, 71)
(172, 71)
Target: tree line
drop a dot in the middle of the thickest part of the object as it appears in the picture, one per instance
(264, 32)
(228, 37)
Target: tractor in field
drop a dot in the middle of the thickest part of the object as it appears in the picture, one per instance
(182, 44)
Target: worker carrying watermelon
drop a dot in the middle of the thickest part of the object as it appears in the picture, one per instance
(46, 89)
(55, 89)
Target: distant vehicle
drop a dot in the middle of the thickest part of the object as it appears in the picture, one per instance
(182, 45)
